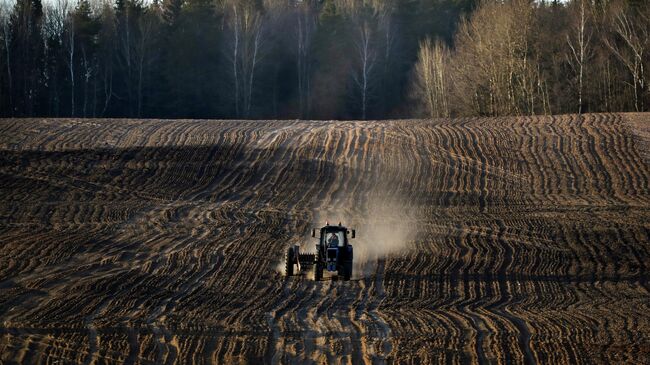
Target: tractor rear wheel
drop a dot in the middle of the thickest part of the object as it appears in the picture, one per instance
(347, 270)
(290, 259)
(318, 271)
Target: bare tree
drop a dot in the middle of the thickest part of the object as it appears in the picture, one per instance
(126, 19)
(430, 84)
(305, 17)
(373, 38)
(136, 27)
(388, 30)
(246, 25)
(495, 69)
(579, 42)
(107, 45)
(367, 59)
(143, 52)
(630, 44)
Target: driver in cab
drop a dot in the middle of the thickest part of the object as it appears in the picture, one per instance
(333, 240)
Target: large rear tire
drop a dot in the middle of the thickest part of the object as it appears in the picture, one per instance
(290, 259)
(318, 271)
(347, 270)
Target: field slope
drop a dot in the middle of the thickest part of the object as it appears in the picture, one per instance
(509, 240)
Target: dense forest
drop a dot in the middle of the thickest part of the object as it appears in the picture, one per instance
(322, 59)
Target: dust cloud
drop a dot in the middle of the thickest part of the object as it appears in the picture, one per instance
(384, 227)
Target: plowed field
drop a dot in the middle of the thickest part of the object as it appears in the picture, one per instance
(507, 240)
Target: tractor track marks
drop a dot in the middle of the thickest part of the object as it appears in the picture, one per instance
(158, 241)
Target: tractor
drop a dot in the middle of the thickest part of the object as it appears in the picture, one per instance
(333, 253)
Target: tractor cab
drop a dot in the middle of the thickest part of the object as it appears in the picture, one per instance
(333, 251)
(333, 241)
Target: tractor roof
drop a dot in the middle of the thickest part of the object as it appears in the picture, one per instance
(334, 228)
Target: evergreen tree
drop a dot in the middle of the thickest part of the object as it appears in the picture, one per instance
(27, 50)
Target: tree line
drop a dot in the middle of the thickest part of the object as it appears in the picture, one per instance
(321, 59)
(521, 58)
